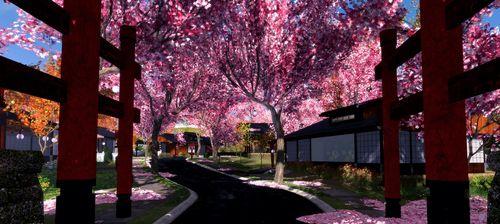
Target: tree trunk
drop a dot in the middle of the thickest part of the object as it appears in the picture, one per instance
(471, 153)
(214, 150)
(280, 145)
(198, 141)
(154, 145)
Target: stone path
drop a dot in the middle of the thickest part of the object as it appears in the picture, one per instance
(352, 200)
(223, 199)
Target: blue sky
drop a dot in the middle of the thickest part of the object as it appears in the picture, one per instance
(8, 14)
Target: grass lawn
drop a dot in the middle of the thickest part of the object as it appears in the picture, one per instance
(361, 182)
(252, 162)
(105, 179)
(179, 195)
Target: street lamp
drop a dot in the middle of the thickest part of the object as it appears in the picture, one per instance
(20, 135)
(45, 138)
(115, 89)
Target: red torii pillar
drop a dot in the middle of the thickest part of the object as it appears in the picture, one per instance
(125, 125)
(445, 143)
(390, 127)
(76, 162)
(3, 120)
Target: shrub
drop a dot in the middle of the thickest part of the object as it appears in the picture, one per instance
(323, 170)
(44, 182)
(108, 155)
(480, 184)
(361, 177)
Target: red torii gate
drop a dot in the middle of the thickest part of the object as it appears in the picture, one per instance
(445, 87)
(77, 92)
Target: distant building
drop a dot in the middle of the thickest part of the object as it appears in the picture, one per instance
(170, 145)
(257, 131)
(22, 138)
(352, 135)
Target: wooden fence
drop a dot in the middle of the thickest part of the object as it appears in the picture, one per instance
(77, 93)
(445, 87)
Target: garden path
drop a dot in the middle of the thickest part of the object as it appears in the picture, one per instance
(223, 199)
(146, 181)
(352, 201)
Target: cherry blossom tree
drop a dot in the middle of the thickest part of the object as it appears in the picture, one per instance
(276, 52)
(165, 32)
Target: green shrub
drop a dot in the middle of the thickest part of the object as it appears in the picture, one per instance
(323, 170)
(108, 155)
(480, 184)
(360, 177)
(44, 183)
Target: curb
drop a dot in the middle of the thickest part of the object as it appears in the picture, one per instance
(179, 209)
(312, 198)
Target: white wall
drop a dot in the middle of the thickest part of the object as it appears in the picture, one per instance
(338, 148)
(368, 144)
(478, 157)
(304, 150)
(291, 151)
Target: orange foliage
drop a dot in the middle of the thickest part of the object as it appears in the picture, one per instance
(42, 115)
(107, 122)
(38, 114)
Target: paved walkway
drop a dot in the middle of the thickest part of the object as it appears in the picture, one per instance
(223, 199)
(352, 200)
(106, 213)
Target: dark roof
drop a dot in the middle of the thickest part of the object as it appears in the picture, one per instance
(352, 109)
(105, 132)
(169, 137)
(325, 128)
(205, 140)
(189, 137)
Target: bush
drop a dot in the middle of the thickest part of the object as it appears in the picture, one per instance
(323, 170)
(44, 183)
(480, 184)
(108, 155)
(360, 177)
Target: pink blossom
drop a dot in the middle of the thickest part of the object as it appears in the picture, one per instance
(307, 183)
(224, 169)
(412, 212)
(167, 175)
(138, 194)
(372, 203)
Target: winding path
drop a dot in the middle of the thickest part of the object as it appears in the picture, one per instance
(223, 199)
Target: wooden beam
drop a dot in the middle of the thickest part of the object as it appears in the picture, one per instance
(56, 17)
(404, 52)
(405, 107)
(458, 11)
(482, 79)
(47, 11)
(22, 78)
(113, 55)
(109, 52)
(137, 116)
(110, 107)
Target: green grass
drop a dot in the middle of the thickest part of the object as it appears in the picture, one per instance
(105, 179)
(480, 184)
(252, 162)
(178, 196)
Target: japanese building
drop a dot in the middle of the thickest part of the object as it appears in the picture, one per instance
(352, 135)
